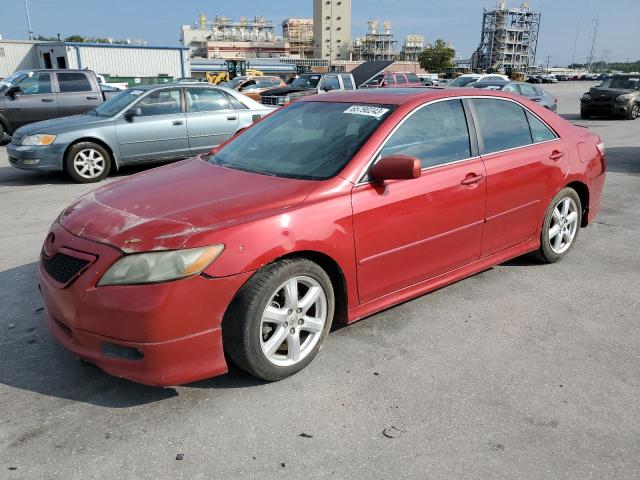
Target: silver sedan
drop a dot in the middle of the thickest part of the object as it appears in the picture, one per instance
(532, 92)
(139, 125)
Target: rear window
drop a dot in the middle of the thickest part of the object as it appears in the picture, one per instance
(400, 79)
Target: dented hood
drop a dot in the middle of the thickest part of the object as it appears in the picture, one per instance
(180, 205)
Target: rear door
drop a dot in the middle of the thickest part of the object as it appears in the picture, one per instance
(160, 133)
(525, 162)
(35, 101)
(211, 120)
(408, 231)
(78, 93)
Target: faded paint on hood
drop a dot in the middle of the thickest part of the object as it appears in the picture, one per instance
(62, 124)
(178, 206)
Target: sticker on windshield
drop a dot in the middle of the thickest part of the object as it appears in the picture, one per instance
(136, 92)
(314, 77)
(634, 79)
(366, 110)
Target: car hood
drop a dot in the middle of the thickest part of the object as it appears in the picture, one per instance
(180, 205)
(280, 91)
(59, 125)
(610, 92)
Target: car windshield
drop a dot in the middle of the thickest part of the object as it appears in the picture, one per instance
(623, 83)
(235, 82)
(116, 103)
(306, 140)
(462, 81)
(306, 81)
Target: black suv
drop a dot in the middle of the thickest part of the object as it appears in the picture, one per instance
(617, 95)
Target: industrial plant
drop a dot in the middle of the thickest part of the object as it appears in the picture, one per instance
(509, 39)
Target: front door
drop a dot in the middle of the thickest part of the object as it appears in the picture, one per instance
(35, 101)
(211, 120)
(408, 231)
(525, 162)
(160, 133)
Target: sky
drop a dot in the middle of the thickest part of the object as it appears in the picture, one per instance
(457, 21)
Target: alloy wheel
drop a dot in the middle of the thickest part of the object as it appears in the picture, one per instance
(563, 225)
(89, 163)
(293, 321)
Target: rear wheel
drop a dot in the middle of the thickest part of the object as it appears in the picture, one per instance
(87, 162)
(634, 112)
(280, 319)
(560, 226)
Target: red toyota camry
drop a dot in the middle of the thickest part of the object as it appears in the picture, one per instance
(332, 208)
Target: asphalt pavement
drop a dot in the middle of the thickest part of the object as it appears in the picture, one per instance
(524, 371)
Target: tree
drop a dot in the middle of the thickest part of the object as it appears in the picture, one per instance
(437, 57)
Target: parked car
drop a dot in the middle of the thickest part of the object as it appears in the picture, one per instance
(468, 78)
(434, 82)
(533, 93)
(618, 95)
(308, 84)
(145, 124)
(394, 79)
(534, 79)
(30, 96)
(253, 87)
(333, 208)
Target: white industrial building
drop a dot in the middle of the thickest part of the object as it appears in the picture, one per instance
(110, 60)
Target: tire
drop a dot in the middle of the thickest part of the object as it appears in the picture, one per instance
(634, 112)
(87, 162)
(251, 334)
(560, 227)
(584, 115)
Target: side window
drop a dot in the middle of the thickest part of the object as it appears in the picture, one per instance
(237, 104)
(539, 131)
(436, 134)
(207, 100)
(400, 79)
(331, 83)
(413, 78)
(527, 90)
(249, 86)
(511, 88)
(503, 124)
(161, 102)
(36, 84)
(346, 80)
(73, 82)
(390, 80)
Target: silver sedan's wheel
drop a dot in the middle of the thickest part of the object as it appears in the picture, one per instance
(293, 321)
(89, 163)
(563, 225)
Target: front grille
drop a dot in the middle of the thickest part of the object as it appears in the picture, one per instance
(16, 139)
(269, 100)
(63, 268)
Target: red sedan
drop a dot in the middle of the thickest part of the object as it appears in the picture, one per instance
(332, 208)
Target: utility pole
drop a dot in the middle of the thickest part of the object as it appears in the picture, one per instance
(26, 9)
(548, 61)
(575, 44)
(593, 44)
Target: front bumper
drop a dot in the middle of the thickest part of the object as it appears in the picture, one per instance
(161, 334)
(605, 108)
(27, 157)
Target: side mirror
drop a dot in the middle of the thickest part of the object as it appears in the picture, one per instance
(133, 112)
(384, 83)
(396, 167)
(13, 91)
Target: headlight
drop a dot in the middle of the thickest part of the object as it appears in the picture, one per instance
(283, 100)
(39, 139)
(586, 97)
(624, 98)
(154, 267)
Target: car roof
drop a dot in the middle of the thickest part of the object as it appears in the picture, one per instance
(400, 96)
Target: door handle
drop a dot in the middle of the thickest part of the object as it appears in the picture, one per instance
(92, 98)
(177, 122)
(232, 117)
(556, 155)
(471, 179)
(46, 100)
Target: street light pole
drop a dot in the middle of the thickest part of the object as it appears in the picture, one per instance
(26, 9)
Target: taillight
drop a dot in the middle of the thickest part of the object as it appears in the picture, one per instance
(601, 149)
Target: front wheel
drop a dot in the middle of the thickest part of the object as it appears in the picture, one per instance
(87, 162)
(634, 112)
(584, 115)
(280, 319)
(560, 226)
